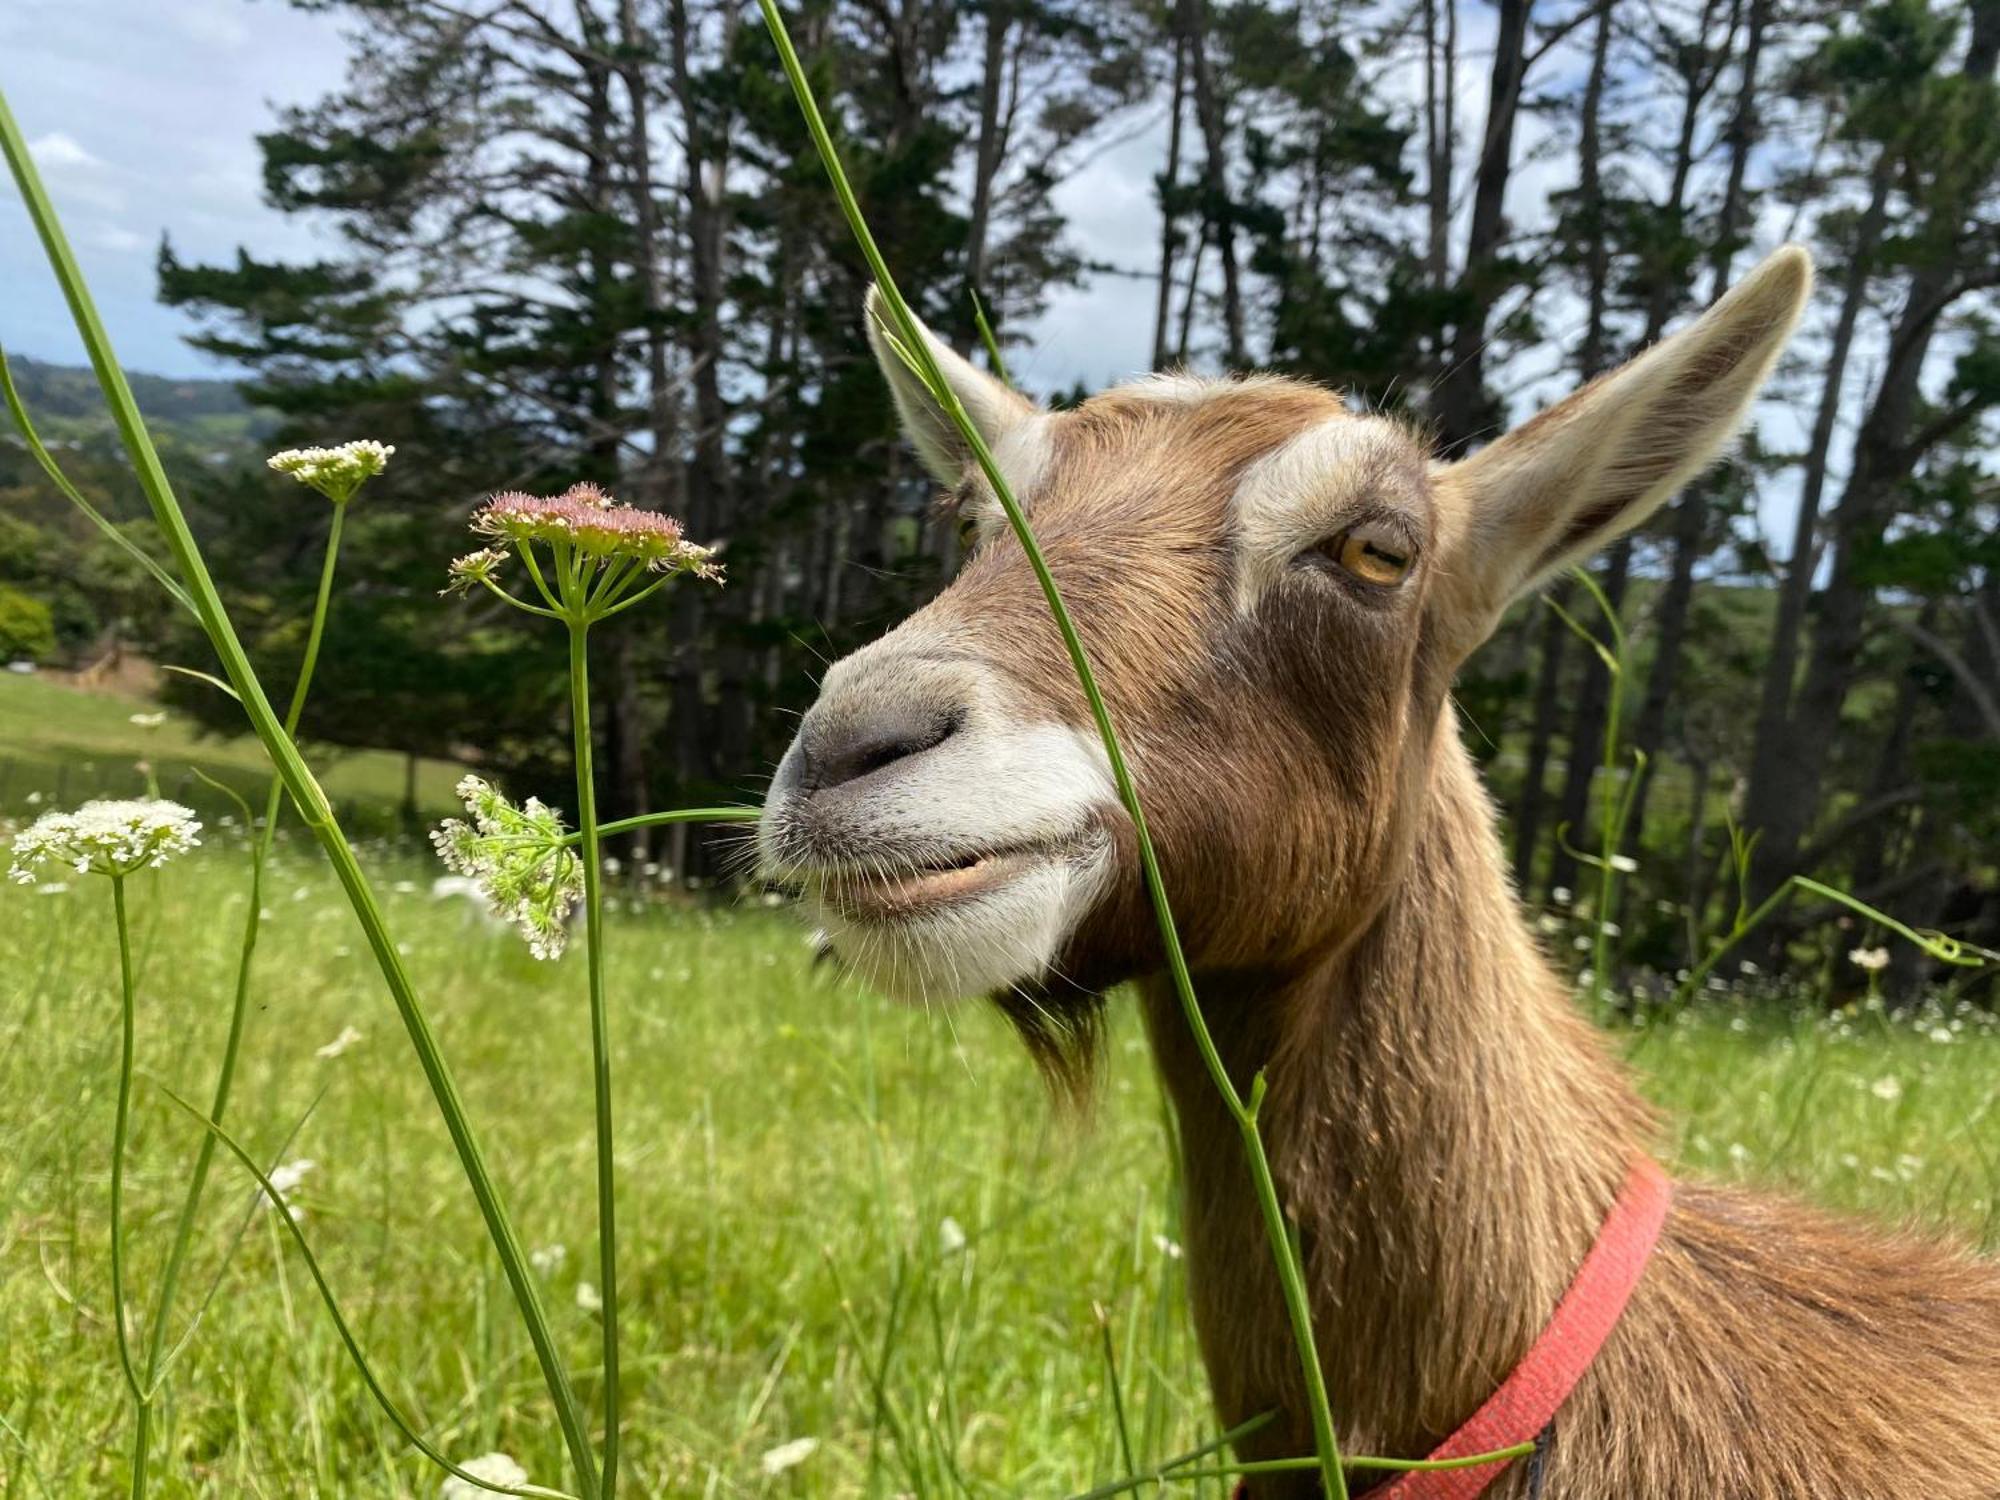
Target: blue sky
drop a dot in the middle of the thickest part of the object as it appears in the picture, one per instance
(143, 117)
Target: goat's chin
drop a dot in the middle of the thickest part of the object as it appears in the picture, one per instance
(1001, 925)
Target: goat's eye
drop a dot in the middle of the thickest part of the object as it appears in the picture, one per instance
(1376, 554)
(968, 532)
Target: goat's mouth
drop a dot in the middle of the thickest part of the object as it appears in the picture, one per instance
(889, 889)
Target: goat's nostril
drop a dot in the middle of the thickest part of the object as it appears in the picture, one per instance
(832, 761)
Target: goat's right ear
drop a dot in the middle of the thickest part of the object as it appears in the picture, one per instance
(995, 408)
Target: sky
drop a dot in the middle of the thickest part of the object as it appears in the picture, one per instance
(142, 116)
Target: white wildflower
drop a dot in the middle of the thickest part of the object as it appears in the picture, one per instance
(1624, 864)
(285, 1179)
(335, 472)
(1870, 959)
(588, 1298)
(548, 1259)
(951, 1236)
(1888, 1087)
(347, 1038)
(788, 1455)
(1171, 1249)
(495, 1468)
(106, 838)
(517, 857)
(148, 721)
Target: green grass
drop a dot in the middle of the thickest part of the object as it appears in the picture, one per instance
(788, 1142)
(60, 745)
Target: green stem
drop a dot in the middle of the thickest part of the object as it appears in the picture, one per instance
(120, 1129)
(600, 1034)
(678, 815)
(1289, 1273)
(304, 790)
(276, 1204)
(225, 1077)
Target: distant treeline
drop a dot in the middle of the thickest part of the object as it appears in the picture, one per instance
(590, 240)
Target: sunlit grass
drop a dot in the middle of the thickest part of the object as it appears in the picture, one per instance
(784, 1140)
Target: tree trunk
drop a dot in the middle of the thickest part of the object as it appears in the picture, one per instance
(1170, 179)
(1218, 209)
(1541, 736)
(989, 147)
(1461, 399)
(1690, 527)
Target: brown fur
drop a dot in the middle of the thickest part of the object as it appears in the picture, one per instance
(1447, 1131)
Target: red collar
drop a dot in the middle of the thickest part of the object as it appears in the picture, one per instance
(1527, 1400)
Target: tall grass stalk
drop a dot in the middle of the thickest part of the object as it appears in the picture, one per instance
(304, 791)
(914, 348)
(158, 1351)
(1614, 805)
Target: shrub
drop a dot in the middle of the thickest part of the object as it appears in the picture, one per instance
(27, 629)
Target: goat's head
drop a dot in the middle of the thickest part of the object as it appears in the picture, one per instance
(1275, 593)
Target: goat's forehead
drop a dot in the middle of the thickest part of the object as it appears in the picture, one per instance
(1201, 451)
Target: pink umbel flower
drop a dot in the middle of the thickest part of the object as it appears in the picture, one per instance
(586, 519)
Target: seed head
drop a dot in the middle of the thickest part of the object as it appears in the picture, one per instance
(105, 838)
(517, 858)
(335, 472)
(474, 570)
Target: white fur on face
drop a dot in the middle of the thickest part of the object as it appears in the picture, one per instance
(1307, 491)
(1032, 796)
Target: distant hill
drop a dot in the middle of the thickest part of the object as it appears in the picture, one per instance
(208, 417)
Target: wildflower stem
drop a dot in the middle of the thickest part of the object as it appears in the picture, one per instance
(120, 1129)
(600, 1037)
(225, 1077)
(1290, 1274)
(677, 815)
(305, 791)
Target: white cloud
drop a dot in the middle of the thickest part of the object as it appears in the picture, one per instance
(56, 150)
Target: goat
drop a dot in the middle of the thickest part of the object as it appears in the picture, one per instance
(1276, 592)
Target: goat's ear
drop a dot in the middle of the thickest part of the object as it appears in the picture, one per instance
(993, 406)
(1596, 464)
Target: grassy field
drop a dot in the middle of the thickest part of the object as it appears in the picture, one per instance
(843, 1221)
(816, 1185)
(60, 746)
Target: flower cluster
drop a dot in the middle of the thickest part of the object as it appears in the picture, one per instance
(475, 569)
(335, 472)
(105, 838)
(583, 517)
(494, 1468)
(517, 857)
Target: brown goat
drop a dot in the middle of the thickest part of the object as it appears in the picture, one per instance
(1276, 593)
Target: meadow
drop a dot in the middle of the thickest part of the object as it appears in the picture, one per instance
(864, 1256)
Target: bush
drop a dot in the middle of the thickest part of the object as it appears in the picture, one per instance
(26, 627)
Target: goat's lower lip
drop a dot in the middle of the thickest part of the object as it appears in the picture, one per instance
(887, 895)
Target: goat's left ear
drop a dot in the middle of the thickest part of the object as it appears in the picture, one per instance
(1599, 462)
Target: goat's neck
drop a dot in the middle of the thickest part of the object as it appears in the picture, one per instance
(1444, 1126)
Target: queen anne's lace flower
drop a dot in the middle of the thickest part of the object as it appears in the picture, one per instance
(335, 472)
(105, 838)
(517, 857)
(586, 518)
(497, 1468)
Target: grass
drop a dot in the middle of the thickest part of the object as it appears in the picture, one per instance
(792, 1150)
(64, 745)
